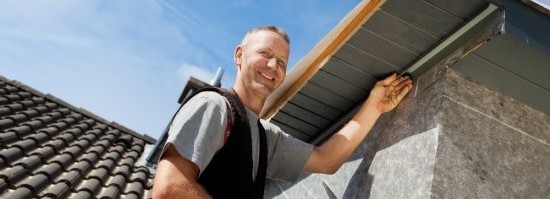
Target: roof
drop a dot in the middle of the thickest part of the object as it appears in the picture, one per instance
(378, 38)
(51, 149)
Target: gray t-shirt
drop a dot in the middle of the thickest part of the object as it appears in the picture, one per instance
(197, 133)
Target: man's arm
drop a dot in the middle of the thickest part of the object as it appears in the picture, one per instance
(384, 97)
(176, 177)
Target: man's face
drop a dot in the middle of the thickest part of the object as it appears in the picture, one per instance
(261, 62)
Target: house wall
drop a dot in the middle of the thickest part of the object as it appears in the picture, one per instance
(450, 138)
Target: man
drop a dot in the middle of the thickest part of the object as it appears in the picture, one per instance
(196, 162)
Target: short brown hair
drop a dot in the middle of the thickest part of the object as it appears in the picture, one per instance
(274, 29)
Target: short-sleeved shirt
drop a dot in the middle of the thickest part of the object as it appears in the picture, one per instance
(197, 133)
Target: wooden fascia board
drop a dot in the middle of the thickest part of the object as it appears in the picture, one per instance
(318, 56)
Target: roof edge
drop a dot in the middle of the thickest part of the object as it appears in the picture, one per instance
(318, 56)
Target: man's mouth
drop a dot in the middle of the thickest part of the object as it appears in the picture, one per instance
(267, 76)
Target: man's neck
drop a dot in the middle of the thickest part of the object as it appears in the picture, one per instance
(250, 101)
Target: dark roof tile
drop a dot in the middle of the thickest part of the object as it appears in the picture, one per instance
(82, 126)
(30, 113)
(13, 97)
(90, 157)
(89, 137)
(52, 170)
(70, 178)
(101, 127)
(58, 125)
(4, 111)
(56, 144)
(104, 143)
(34, 124)
(130, 196)
(140, 175)
(29, 162)
(66, 137)
(112, 155)
(134, 187)
(82, 143)
(117, 180)
(68, 120)
(123, 170)
(11, 154)
(38, 100)
(35, 182)
(52, 106)
(109, 137)
(13, 174)
(58, 190)
(128, 161)
(109, 193)
(106, 163)
(100, 173)
(66, 111)
(51, 131)
(74, 151)
(25, 95)
(21, 130)
(114, 132)
(131, 154)
(38, 137)
(25, 145)
(45, 152)
(20, 117)
(84, 194)
(21, 192)
(27, 103)
(15, 107)
(41, 109)
(7, 138)
(81, 167)
(6, 123)
(91, 185)
(64, 160)
(4, 100)
(96, 149)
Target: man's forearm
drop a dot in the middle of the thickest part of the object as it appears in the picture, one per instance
(341, 145)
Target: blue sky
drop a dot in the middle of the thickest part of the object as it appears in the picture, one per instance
(128, 61)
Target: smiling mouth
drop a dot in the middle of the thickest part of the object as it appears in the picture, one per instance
(267, 76)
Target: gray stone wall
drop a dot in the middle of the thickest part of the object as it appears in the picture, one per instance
(450, 138)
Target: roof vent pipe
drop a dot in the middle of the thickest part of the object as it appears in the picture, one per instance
(216, 82)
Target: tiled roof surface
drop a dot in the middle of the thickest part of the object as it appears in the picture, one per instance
(50, 149)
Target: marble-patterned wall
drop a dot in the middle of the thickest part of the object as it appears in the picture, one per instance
(449, 138)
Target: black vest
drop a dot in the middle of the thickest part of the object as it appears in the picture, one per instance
(229, 173)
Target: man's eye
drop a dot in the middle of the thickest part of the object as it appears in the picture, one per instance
(265, 53)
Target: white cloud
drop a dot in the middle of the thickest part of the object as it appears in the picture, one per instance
(201, 73)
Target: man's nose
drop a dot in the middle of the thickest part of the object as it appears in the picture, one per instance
(272, 63)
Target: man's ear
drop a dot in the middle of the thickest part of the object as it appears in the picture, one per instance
(238, 55)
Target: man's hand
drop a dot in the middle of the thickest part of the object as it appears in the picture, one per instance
(384, 97)
(387, 93)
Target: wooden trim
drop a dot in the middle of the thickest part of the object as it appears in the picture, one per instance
(345, 33)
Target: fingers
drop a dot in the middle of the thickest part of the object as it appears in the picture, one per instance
(403, 88)
(401, 82)
(388, 80)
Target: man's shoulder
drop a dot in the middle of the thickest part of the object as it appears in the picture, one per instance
(209, 97)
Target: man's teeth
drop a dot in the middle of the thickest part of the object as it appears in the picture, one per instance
(267, 76)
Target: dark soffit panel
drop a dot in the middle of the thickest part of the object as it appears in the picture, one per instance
(396, 35)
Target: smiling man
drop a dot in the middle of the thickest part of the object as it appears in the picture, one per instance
(218, 147)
